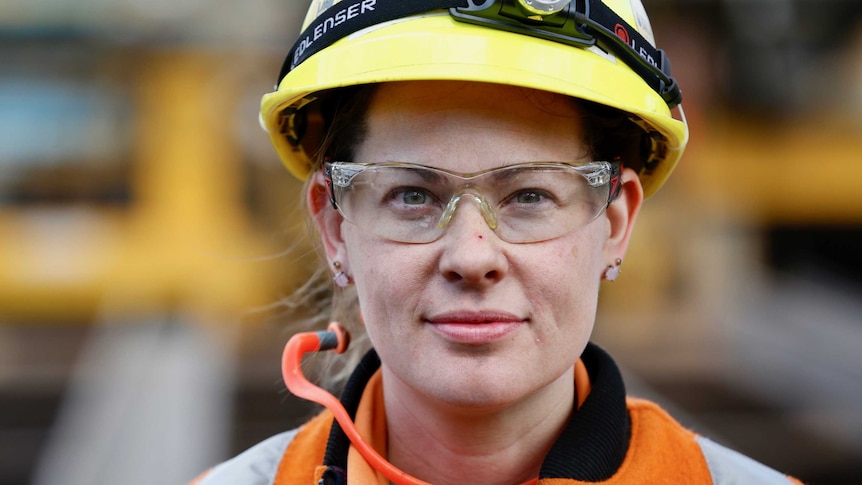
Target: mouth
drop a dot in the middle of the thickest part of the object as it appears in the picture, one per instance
(475, 328)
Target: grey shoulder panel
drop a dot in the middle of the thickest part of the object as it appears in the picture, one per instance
(729, 467)
(255, 466)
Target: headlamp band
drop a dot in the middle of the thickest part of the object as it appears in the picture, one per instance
(582, 23)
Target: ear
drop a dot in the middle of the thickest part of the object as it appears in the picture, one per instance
(327, 220)
(622, 214)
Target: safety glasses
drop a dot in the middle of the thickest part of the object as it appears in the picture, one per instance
(522, 203)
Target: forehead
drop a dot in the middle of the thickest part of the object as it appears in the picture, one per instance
(469, 127)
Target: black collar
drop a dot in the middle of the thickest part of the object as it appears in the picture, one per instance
(590, 449)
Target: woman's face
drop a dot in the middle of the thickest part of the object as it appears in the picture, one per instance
(471, 320)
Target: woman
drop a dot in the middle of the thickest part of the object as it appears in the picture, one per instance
(475, 169)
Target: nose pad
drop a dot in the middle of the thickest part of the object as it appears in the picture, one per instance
(484, 208)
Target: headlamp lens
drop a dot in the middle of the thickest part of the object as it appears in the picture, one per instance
(544, 7)
(522, 203)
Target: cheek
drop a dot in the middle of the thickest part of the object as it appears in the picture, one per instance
(388, 277)
(576, 260)
(567, 283)
(375, 264)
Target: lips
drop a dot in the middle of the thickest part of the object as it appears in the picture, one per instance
(475, 328)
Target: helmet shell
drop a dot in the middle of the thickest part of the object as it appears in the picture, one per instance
(434, 46)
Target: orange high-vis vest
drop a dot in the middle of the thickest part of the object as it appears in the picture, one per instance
(610, 440)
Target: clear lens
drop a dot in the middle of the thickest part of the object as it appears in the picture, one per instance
(544, 7)
(522, 203)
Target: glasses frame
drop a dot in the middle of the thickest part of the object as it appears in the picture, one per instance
(596, 173)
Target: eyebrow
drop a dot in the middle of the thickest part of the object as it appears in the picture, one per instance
(505, 174)
(427, 174)
(436, 175)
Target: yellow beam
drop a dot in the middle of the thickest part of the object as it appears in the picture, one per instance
(805, 171)
(185, 240)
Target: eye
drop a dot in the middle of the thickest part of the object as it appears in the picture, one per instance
(532, 197)
(529, 197)
(529, 202)
(412, 196)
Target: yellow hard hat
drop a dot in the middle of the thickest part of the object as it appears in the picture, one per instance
(597, 50)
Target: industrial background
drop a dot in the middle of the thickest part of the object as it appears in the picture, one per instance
(148, 235)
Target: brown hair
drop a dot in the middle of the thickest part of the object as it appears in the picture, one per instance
(609, 134)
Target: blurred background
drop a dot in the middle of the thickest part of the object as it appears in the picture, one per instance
(148, 233)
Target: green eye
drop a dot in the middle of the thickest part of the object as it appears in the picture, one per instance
(414, 197)
(529, 197)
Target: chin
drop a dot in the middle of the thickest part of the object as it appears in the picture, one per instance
(483, 389)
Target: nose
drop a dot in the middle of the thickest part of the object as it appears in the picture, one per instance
(472, 253)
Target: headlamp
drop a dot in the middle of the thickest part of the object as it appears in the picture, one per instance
(544, 7)
(579, 23)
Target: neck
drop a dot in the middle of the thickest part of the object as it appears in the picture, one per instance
(442, 443)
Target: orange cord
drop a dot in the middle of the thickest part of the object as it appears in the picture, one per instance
(291, 370)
